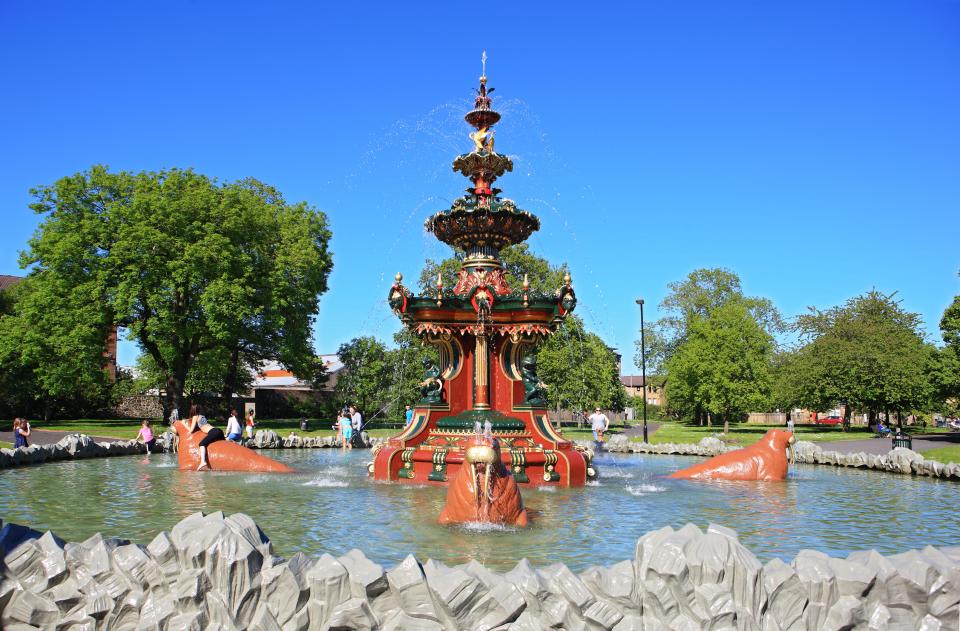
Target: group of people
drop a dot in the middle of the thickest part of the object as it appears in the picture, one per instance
(349, 423)
(21, 430)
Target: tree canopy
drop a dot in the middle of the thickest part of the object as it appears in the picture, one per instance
(695, 298)
(868, 353)
(367, 374)
(186, 265)
(579, 369)
(722, 367)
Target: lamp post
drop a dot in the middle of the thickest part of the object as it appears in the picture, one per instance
(643, 369)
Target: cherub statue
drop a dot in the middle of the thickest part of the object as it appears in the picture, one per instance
(535, 391)
(431, 388)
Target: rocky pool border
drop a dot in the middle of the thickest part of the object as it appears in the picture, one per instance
(217, 572)
(898, 460)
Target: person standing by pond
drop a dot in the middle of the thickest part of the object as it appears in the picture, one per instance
(146, 435)
(599, 423)
(198, 423)
(234, 433)
(21, 429)
(250, 423)
(356, 421)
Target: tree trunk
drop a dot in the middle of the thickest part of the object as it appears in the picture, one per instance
(846, 416)
(230, 381)
(726, 424)
(709, 420)
(175, 384)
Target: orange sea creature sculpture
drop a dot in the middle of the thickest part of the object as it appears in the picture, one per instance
(222, 455)
(766, 459)
(483, 490)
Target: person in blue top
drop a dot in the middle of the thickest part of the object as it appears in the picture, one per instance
(346, 429)
(21, 429)
(409, 415)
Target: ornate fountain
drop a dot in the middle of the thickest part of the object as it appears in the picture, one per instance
(486, 334)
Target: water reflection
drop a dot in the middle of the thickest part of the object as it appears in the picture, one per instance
(331, 506)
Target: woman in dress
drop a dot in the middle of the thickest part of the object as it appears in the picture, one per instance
(21, 429)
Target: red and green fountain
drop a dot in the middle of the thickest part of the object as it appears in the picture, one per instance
(485, 388)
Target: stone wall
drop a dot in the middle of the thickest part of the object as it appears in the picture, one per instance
(138, 406)
(217, 572)
(898, 460)
(73, 446)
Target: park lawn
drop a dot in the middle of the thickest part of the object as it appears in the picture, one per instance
(743, 434)
(943, 454)
(128, 428)
(4, 445)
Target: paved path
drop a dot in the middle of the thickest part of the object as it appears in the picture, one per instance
(48, 437)
(636, 429)
(880, 446)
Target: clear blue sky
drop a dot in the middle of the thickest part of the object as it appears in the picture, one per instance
(812, 147)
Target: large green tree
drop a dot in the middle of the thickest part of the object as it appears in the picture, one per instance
(945, 362)
(695, 298)
(580, 371)
(722, 367)
(408, 360)
(868, 354)
(367, 376)
(185, 264)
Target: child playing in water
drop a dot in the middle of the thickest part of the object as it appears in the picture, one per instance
(146, 435)
(346, 429)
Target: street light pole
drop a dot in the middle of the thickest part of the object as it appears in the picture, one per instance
(643, 369)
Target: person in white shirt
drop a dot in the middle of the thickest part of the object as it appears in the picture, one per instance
(599, 423)
(356, 420)
(234, 432)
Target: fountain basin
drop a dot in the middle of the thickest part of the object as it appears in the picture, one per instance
(329, 504)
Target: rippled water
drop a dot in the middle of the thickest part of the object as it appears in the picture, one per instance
(331, 506)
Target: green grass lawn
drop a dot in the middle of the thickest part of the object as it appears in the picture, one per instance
(742, 434)
(943, 454)
(4, 445)
(127, 428)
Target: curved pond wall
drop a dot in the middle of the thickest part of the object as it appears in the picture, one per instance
(898, 460)
(219, 572)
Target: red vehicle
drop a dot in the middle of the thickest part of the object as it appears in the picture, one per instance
(833, 419)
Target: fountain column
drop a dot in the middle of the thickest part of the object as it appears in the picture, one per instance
(481, 362)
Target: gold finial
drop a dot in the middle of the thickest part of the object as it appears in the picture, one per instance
(439, 279)
(566, 278)
(526, 282)
(399, 277)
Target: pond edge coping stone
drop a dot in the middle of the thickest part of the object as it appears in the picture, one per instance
(898, 460)
(217, 572)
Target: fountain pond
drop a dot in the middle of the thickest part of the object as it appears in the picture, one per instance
(330, 505)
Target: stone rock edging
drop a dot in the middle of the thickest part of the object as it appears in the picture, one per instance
(899, 460)
(70, 447)
(75, 446)
(269, 439)
(219, 572)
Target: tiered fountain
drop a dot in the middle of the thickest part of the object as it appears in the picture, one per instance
(486, 334)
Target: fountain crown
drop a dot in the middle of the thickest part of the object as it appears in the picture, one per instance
(481, 222)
